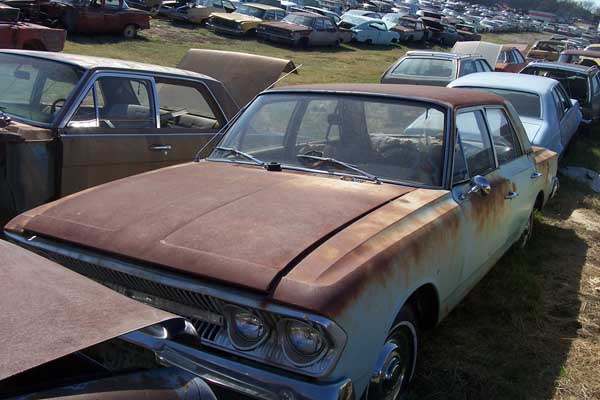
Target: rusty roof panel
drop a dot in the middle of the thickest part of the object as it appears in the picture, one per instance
(49, 312)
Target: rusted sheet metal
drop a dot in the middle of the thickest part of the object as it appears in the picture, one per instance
(371, 252)
(546, 162)
(519, 46)
(160, 384)
(233, 223)
(49, 311)
(234, 70)
(451, 97)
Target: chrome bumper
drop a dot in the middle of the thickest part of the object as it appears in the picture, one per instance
(242, 378)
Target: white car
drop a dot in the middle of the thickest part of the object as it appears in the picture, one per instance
(375, 31)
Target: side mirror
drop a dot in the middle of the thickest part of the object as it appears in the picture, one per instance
(478, 185)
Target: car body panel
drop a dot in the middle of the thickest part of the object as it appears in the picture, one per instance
(582, 57)
(26, 35)
(240, 24)
(50, 312)
(512, 58)
(375, 32)
(296, 34)
(489, 51)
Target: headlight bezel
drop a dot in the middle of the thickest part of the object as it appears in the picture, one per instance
(291, 352)
(235, 336)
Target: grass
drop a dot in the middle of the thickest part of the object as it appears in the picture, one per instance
(531, 328)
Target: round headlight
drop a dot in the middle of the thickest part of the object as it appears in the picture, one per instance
(303, 344)
(246, 329)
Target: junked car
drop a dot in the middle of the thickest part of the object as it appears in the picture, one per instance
(549, 116)
(581, 83)
(511, 58)
(548, 50)
(90, 16)
(433, 68)
(589, 58)
(375, 31)
(301, 29)
(409, 29)
(467, 32)
(15, 34)
(254, 246)
(245, 19)
(103, 344)
(440, 33)
(196, 11)
(70, 122)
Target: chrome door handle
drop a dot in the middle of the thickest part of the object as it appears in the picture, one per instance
(511, 195)
(160, 147)
(536, 175)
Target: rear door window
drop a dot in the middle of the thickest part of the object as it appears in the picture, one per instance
(503, 136)
(473, 142)
(468, 67)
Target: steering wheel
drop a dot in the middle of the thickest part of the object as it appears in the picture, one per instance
(55, 105)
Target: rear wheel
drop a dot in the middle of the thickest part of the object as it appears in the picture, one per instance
(396, 363)
(130, 31)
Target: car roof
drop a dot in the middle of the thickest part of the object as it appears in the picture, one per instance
(309, 14)
(90, 62)
(442, 95)
(262, 6)
(440, 54)
(505, 80)
(588, 53)
(562, 66)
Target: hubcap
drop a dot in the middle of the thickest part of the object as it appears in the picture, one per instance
(393, 367)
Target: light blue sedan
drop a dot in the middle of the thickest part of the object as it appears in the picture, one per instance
(374, 31)
(549, 116)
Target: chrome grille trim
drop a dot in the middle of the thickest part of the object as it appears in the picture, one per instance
(196, 293)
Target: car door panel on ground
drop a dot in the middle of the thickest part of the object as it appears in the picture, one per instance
(102, 140)
(483, 216)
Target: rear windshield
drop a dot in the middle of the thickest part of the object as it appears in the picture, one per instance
(299, 19)
(527, 104)
(425, 67)
(576, 84)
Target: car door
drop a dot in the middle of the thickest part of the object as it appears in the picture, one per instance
(595, 97)
(484, 209)
(515, 166)
(115, 130)
(90, 19)
(319, 35)
(114, 16)
(568, 114)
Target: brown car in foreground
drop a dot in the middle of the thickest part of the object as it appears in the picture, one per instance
(329, 227)
(105, 119)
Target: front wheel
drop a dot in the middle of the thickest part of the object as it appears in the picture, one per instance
(130, 31)
(396, 363)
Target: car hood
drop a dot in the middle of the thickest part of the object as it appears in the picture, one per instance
(49, 311)
(233, 223)
(237, 17)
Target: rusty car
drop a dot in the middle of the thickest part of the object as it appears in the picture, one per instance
(589, 58)
(433, 68)
(87, 16)
(15, 34)
(511, 58)
(302, 29)
(245, 19)
(548, 50)
(69, 122)
(195, 11)
(329, 227)
(100, 344)
(467, 32)
(440, 32)
(410, 29)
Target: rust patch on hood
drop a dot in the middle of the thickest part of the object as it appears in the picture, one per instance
(339, 271)
(49, 312)
(233, 223)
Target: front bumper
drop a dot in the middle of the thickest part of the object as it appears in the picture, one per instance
(226, 30)
(242, 378)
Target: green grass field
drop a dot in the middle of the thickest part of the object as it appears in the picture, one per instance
(531, 328)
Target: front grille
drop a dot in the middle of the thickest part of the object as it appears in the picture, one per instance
(225, 23)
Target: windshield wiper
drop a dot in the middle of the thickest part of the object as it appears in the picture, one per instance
(350, 167)
(240, 153)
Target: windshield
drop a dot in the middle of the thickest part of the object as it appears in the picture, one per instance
(424, 67)
(299, 19)
(35, 89)
(249, 10)
(527, 104)
(390, 139)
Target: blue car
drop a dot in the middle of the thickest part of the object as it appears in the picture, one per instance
(549, 116)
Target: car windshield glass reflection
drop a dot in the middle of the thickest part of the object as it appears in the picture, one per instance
(35, 89)
(368, 137)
